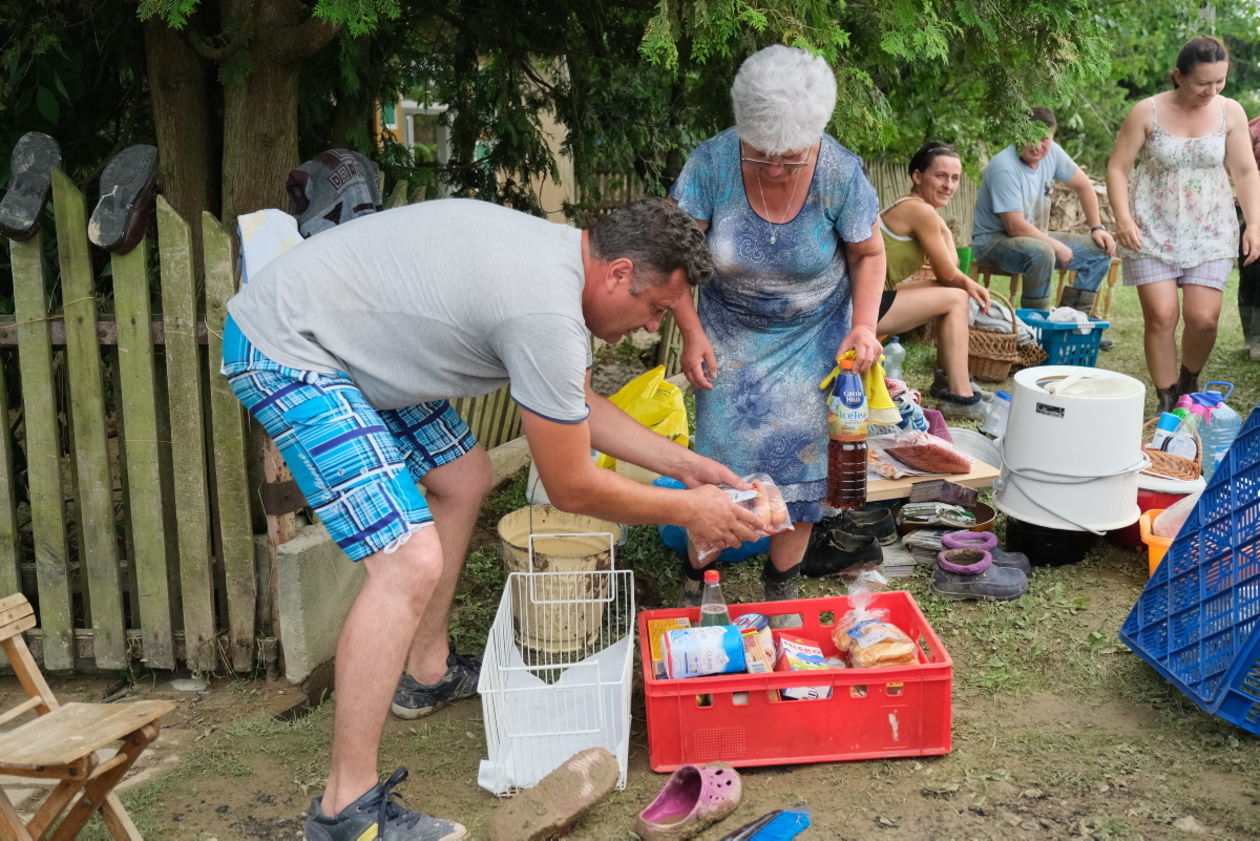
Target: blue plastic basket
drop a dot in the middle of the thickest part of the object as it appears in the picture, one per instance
(1064, 345)
(1198, 620)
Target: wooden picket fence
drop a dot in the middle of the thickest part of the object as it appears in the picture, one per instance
(126, 506)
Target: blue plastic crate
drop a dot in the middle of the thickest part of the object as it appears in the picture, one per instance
(1197, 622)
(1064, 345)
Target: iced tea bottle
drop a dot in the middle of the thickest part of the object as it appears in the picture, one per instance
(846, 451)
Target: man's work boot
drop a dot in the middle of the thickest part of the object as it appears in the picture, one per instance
(1078, 299)
(1029, 303)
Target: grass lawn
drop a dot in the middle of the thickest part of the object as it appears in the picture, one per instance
(1059, 730)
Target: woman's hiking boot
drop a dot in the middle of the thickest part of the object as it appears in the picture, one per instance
(970, 574)
(378, 815)
(413, 699)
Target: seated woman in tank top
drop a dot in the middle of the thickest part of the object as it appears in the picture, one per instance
(915, 233)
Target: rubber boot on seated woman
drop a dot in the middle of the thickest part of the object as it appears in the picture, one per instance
(914, 233)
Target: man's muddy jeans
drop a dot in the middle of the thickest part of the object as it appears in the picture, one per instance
(1034, 259)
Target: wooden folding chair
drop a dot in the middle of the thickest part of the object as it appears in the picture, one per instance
(61, 742)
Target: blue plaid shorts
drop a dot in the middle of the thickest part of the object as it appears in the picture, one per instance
(358, 466)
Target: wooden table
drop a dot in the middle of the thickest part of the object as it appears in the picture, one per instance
(981, 476)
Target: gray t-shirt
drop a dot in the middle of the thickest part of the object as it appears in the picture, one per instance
(1010, 185)
(435, 300)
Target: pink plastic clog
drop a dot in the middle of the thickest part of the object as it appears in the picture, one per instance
(694, 797)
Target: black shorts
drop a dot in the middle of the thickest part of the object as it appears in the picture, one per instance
(886, 302)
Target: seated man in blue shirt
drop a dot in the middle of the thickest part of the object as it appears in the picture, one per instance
(1013, 213)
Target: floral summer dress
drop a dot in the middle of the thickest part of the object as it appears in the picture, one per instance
(775, 314)
(1181, 198)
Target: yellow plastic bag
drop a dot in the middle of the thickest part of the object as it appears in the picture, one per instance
(656, 404)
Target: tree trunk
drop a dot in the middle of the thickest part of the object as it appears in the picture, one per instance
(260, 135)
(180, 92)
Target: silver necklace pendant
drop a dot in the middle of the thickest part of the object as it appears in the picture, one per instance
(773, 237)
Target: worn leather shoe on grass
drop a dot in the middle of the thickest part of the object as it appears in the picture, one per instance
(122, 213)
(413, 699)
(833, 551)
(552, 807)
(34, 158)
(876, 521)
(379, 815)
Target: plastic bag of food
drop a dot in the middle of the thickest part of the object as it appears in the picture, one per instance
(926, 452)
(763, 499)
(865, 634)
(1170, 520)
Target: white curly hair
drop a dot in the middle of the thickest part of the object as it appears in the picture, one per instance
(783, 98)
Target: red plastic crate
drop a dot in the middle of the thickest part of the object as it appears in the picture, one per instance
(871, 714)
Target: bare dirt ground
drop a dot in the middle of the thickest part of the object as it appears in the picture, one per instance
(1058, 732)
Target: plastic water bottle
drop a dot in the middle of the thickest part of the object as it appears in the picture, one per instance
(999, 411)
(1221, 427)
(894, 358)
(712, 604)
(846, 451)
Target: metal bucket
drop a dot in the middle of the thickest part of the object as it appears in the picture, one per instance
(559, 609)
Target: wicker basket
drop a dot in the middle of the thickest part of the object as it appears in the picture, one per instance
(1168, 465)
(991, 353)
(1031, 355)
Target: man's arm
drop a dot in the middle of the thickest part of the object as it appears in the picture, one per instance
(1084, 189)
(562, 454)
(1241, 163)
(1017, 226)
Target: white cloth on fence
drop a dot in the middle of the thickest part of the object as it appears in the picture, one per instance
(999, 318)
(264, 235)
(1068, 315)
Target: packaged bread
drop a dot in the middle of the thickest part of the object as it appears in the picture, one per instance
(865, 634)
(871, 641)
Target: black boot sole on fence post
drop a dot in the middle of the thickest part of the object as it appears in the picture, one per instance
(122, 214)
(34, 158)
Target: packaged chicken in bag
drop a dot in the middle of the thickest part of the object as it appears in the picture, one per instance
(865, 634)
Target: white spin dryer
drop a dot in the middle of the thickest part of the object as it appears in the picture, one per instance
(1073, 449)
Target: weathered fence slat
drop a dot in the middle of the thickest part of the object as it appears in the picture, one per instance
(10, 544)
(142, 447)
(98, 551)
(228, 429)
(183, 378)
(43, 453)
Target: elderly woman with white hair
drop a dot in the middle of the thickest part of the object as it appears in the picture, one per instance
(794, 229)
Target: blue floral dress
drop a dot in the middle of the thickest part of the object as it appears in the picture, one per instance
(775, 314)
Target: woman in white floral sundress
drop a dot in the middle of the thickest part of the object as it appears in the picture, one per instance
(1176, 219)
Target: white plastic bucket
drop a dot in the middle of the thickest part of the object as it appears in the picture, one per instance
(1072, 449)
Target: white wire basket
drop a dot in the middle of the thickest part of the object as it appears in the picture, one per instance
(542, 705)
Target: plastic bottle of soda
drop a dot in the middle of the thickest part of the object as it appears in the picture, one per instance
(846, 451)
(712, 604)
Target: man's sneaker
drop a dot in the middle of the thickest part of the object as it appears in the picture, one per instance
(413, 699)
(378, 815)
(1106, 344)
